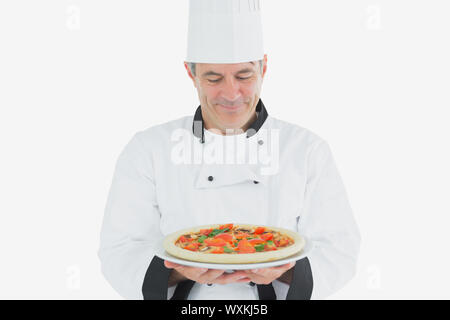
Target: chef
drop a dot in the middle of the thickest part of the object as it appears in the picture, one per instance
(229, 162)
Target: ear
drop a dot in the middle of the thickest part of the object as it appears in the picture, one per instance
(264, 65)
(186, 66)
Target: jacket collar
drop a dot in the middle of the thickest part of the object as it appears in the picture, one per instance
(198, 126)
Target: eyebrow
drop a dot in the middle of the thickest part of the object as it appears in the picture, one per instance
(212, 73)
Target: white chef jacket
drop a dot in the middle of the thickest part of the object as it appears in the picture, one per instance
(162, 184)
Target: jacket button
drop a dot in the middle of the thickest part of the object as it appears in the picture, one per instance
(252, 284)
(255, 182)
(260, 142)
(210, 178)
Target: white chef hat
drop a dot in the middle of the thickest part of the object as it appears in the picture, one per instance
(224, 31)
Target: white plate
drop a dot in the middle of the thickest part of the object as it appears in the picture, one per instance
(241, 266)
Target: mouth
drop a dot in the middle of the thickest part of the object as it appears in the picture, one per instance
(231, 108)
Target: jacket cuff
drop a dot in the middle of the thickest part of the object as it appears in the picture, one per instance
(302, 281)
(156, 281)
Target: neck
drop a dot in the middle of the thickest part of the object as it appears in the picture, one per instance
(229, 131)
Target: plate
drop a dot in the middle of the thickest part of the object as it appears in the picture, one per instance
(230, 266)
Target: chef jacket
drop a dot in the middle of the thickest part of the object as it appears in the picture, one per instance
(179, 175)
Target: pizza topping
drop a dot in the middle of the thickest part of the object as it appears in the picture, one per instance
(205, 231)
(259, 247)
(256, 241)
(215, 232)
(215, 242)
(230, 239)
(267, 236)
(226, 226)
(228, 250)
(218, 250)
(259, 230)
(241, 235)
(245, 247)
(192, 246)
(224, 236)
(270, 246)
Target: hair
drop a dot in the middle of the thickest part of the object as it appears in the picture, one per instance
(192, 66)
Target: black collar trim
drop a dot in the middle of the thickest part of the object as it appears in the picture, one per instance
(198, 127)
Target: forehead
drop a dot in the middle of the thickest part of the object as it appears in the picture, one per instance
(222, 68)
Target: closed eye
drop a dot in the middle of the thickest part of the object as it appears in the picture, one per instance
(239, 78)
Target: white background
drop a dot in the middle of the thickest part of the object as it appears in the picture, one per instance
(78, 78)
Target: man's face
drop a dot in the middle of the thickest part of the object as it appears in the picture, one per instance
(228, 93)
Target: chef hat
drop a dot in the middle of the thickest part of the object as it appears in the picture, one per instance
(224, 31)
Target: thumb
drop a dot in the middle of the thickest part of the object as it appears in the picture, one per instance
(170, 265)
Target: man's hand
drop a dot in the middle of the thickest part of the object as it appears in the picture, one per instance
(267, 275)
(203, 275)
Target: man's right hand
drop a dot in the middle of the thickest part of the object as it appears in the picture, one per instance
(203, 275)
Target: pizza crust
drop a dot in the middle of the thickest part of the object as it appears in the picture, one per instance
(174, 250)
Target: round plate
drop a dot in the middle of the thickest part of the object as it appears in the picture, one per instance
(241, 266)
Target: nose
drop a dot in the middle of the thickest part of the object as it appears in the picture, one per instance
(231, 90)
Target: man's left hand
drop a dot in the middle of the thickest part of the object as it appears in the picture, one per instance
(267, 275)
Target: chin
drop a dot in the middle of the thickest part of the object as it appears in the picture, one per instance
(236, 124)
(234, 120)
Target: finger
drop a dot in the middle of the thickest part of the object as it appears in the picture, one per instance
(249, 271)
(193, 271)
(232, 277)
(240, 273)
(170, 265)
(258, 279)
(261, 273)
(210, 275)
(266, 273)
(285, 267)
(278, 271)
(237, 275)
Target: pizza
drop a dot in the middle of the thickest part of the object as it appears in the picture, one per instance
(233, 243)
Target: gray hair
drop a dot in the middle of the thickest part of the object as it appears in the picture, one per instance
(192, 65)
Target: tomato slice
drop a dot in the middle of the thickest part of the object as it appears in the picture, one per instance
(249, 249)
(259, 230)
(183, 239)
(205, 231)
(256, 241)
(241, 235)
(215, 242)
(224, 226)
(224, 236)
(245, 247)
(218, 250)
(267, 236)
(193, 246)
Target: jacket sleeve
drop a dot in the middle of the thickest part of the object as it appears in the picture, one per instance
(327, 220)
(131, 228)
